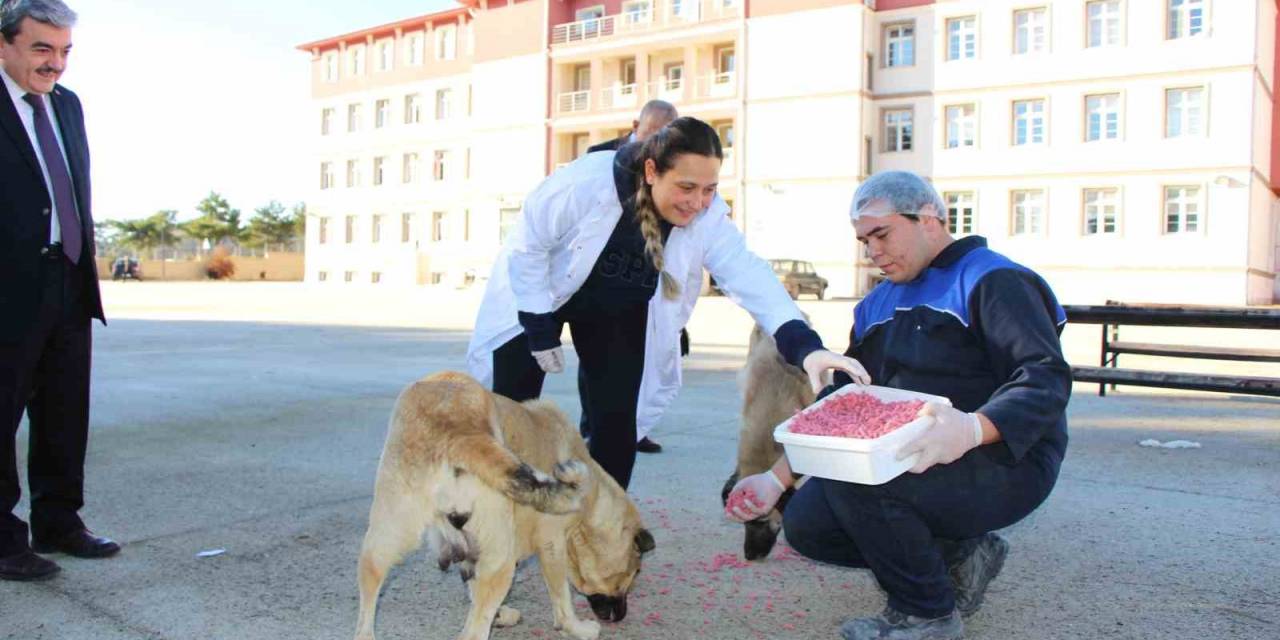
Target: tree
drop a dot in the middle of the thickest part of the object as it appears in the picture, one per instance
(159, 230)
(218, 221)
(271, 225)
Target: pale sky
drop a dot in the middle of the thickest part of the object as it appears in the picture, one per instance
(186, 96)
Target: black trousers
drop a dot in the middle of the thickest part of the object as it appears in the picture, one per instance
(909, 529)
(610, 344)
(45, 372)
(584, 425)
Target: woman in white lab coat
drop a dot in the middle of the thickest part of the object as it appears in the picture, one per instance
(614, 246)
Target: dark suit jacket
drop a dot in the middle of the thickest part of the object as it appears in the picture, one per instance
(610, 145)
(26, 210)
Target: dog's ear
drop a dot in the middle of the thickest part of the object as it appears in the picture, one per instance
(644, 541)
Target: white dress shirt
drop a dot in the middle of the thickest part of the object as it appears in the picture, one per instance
(27, 114)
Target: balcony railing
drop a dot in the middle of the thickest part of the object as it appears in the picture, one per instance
(716, 86)
(621, 96)
(661, 13)
(574, 102)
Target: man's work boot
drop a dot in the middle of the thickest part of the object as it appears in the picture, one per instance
(892, 624)
(971, 576)
(645, 445)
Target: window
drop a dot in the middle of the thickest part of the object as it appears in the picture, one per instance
(446, 42)
(1184, 112)
(326, 121)
(350, 229)
(1031, 31)
(1028, 212)
(897, 130)
(381, 113)
(962, 38)
(353, 118)
(899, 45)
(409, 170)
(376, 229)
(726, 133)
(726, 62)
(322, 276)
(326, 175)
(466, 225)
(357, 61)
(324, 233)
(353, 173)
(385, 55)
(331, 67)
(444, 101)
(1103, 23)
(871, 66)
(1181, 209)
(437, 226)
(439, 166)
(349, 276)
(406, 225)
(636, 12)
(1028, 122)
(1102, 117)
(507, 219)
(413, 49)
(962, 126)
(375, 277)
(1101, 211)
(674, 74)
(959, 212)
(1186, 18)
(379, 165)
(412, 109)
(628, 73)
(437, 277)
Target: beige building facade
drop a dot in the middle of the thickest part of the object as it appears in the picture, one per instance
(1123, 148)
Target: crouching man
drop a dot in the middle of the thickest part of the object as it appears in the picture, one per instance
(958, 320)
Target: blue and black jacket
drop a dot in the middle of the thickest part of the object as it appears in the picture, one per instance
(981, 330)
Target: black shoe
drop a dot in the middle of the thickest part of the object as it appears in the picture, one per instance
(971, 576)
(892, 624)
(648, 446)
(81, 544)
(26, 567)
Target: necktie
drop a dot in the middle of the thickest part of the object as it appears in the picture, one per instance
(63, 199)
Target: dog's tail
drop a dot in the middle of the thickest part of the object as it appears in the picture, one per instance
(496, 466)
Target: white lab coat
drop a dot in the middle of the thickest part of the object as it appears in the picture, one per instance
(561, 233)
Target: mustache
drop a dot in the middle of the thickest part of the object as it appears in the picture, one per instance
(48, 69)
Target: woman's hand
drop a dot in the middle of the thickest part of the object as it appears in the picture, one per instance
(819, 362)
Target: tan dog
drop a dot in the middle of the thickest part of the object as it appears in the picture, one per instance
(772, 391)
(462, 465)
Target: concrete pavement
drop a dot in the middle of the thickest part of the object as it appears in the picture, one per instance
(261, 437)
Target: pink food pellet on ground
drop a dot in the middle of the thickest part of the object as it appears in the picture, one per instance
(788, 626)
(855, 415)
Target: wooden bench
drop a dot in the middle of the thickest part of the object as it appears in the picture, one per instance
(1112, 315)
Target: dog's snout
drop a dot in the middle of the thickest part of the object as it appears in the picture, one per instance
(608, 608)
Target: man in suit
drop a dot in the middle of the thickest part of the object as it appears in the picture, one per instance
(48, 289)
(654, 115)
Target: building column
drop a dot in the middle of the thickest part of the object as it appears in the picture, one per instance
(689, 84)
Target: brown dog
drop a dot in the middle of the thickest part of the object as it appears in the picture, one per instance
(772, 391)
(462, 465)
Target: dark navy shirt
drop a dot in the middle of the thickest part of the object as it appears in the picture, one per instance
(981, 330)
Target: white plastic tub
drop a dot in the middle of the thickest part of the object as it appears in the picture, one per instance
(852, 459)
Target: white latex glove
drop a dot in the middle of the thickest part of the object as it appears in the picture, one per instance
(551, 360)
(753, 496)
(818, 363)
(952, 435)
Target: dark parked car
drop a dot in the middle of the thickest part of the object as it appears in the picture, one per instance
(796, 276)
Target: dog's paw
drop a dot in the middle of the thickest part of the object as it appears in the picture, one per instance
(507, 617)
(572, 472)
(582, 629)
